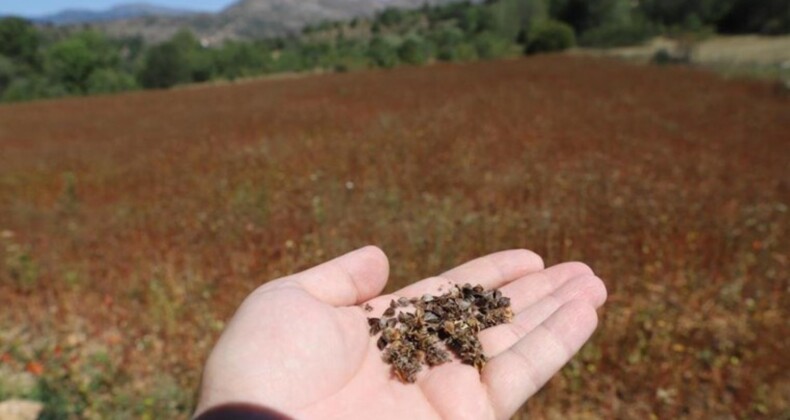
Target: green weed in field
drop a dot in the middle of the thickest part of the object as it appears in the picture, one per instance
(20, 266)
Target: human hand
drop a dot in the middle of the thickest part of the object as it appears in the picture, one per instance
(300, 344)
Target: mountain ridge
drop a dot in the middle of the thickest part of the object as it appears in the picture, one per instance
(250, 19)
(122, 11)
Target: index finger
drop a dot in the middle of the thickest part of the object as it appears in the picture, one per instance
(491, 271)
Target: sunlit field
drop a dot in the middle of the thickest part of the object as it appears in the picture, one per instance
(133, 225)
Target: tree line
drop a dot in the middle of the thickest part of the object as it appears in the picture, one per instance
(39, 63)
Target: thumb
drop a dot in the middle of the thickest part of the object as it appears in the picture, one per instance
(350, 279)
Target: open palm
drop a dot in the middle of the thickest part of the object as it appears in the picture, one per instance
(300, 344)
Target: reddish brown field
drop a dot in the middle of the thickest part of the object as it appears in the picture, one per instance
(134, 224)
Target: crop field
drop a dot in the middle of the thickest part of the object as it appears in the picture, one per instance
(131, 226)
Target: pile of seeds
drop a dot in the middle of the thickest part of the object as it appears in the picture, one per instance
(451, 321)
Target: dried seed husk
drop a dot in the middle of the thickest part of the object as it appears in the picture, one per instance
(410, 340)
(375, 325)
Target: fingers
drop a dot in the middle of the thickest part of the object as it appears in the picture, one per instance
(532, 288)
(350, 279)
(585, 288)
(522, 370)
(495, 270)
(491, 271)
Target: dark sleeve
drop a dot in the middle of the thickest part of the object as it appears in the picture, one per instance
(241, 411)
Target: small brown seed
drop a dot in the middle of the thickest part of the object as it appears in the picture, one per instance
(413, 339)
(375, 325)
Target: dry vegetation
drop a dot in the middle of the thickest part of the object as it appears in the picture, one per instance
(751, 50)
(134, 224)
(750, 56)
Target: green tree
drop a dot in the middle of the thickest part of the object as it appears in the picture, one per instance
(7, 72)
(584, 15)
(550, 36)
(516, 16)
(678, 12)
(19, 40)
(447, 40)
(635, 31)
(477, 19)
(165, 65)
(240, 59)
(110, 81)
(391, 17)
(130, 51)
(32, 87)
(200, 60)
(763, 16)
(317, 55)
(465, 51)
(382, 52)
(470, 20)
(489, 45)
(202, 64)
(179, 60)
(450, 11)
(289, 59)
(486, 20)
(351, 55)
(413, 51)
(71, 62)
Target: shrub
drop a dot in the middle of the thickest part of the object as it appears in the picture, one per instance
(19, 40)
(165, 65)
(679, 56)
(619, 35)
(239, 59)
(180, 60)
(662, 57)
(7, 72)
(391, 17)
(549, 36)
(465, 52)
(489, 45)
(382, 53)
(289, 59)
(20, 266)
(447, 41)
(413, 51)
(202, 66)
(33, 87)
(513, 16)
(350, 62)
(110, 81)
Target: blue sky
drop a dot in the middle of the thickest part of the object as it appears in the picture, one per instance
(43, 7)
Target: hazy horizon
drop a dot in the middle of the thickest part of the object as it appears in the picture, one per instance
(35, 8)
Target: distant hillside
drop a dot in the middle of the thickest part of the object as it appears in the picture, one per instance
(252, 19)
(120, 12)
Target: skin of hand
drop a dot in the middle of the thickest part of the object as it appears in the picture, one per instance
(300, 344)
